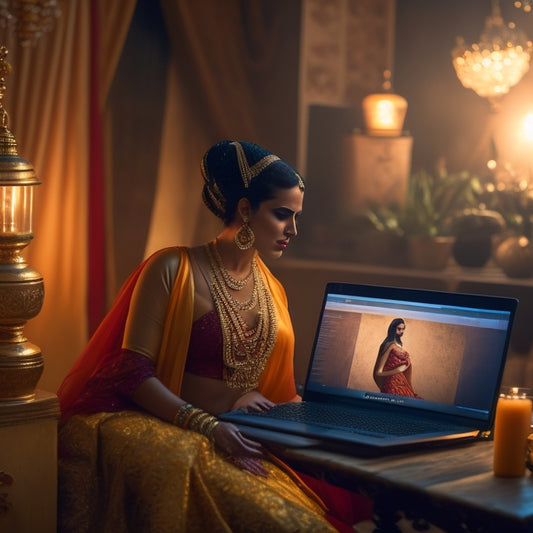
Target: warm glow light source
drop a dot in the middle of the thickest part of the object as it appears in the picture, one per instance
(523, 4)
(16, 204)
(491, 164)
(492, 66)
(384, 114)
(21, 286)
(528, 127)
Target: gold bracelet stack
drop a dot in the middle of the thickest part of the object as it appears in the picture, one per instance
(195, 419)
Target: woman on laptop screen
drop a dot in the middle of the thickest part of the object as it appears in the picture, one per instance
(393, 369)
(194, 332)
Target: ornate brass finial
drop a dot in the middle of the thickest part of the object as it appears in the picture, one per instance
(5, 71)
(8, 144)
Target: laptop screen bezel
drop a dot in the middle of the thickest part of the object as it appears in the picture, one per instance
(421, 296)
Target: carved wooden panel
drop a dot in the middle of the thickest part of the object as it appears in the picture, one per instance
(346, 46)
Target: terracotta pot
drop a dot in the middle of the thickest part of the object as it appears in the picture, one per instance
(429, 253)
(515, 257)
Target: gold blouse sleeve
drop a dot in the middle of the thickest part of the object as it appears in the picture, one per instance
(146, 317)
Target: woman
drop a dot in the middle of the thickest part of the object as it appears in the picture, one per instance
(193, 333)
(393, 369)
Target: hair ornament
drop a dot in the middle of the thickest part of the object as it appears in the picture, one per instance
(249, 172)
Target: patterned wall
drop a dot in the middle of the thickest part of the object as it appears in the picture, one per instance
(346, 46)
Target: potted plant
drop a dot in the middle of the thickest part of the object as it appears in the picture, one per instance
(510, 194)
(514, 254)
(425, 218)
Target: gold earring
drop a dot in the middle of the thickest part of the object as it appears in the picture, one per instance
(244, 238)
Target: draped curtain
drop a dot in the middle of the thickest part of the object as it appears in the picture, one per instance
(232, 72)
(49, 105)
(221, 85)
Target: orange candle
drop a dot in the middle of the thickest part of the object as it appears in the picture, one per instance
(511, 429)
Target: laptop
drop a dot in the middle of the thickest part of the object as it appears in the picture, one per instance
(456, 345)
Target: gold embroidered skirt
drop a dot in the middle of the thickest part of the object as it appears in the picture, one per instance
(124, 472)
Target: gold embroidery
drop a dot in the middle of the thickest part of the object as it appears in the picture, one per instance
(129, 471)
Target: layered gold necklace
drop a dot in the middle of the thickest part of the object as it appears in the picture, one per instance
(245, 350)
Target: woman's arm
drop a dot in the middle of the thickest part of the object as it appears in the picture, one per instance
(383, 361)
(146, 317)
(155, 398)
(409, 374)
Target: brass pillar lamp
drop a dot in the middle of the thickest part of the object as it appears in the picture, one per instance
(21, 287)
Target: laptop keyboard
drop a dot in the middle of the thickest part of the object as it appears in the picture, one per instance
(335, 416)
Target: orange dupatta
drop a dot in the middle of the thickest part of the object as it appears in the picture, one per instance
(277, 380)
(105, 342)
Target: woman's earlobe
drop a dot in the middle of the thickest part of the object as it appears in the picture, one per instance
(244, 209)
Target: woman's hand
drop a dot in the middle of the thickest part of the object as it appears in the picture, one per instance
(252, 402)
(241, 451)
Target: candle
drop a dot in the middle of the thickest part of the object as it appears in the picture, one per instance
(511, 429)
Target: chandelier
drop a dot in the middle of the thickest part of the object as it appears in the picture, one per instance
(497, 62)
(523, 4)
(31, 18)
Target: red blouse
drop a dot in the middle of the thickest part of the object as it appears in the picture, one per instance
(204, 357)
(112, 387)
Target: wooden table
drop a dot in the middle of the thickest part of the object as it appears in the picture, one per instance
(452, 488)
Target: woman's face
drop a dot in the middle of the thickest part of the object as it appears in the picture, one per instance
(274, 223)
(400, 328)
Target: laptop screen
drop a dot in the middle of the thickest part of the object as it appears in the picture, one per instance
(428, 350)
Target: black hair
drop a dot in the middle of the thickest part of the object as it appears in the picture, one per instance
(225, 178)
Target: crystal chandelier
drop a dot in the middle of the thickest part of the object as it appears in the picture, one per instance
(31, 18)
(497, 62)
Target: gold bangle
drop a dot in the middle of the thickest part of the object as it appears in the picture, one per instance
(191, 417)
(182, 414)
(195, 419)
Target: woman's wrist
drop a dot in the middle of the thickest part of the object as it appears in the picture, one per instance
(196, 419)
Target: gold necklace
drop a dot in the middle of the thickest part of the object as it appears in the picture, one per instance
(245, 350)
(230, 281)
(217, 269)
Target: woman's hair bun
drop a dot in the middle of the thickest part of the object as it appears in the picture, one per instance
(231, 169)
